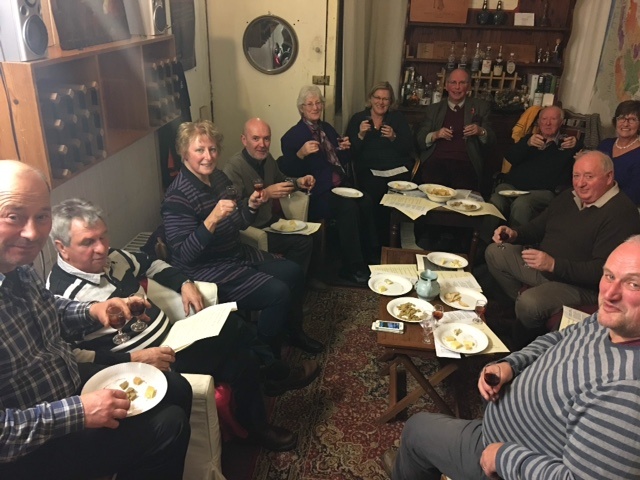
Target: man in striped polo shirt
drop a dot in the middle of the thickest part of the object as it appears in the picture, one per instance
(566, 406)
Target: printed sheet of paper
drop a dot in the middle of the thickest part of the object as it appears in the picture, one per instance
(408, 271)
(412, 207)
(464, 316)
(487, 209)
(389, 173)
(206, 323)
(571, 316)
(454, 278)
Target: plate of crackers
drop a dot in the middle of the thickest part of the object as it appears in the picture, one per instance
(144, 384)
(409, 309)
(288, 226)
(461, 298)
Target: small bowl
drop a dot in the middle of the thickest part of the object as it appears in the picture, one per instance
(437, 193)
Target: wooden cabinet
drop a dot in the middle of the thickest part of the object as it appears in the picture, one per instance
(118, 112)
(559, 16)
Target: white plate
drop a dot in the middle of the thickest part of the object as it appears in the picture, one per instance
(111, 377)
(288, 226)
(464, 205)
(428, 190)
(401, 185)
(347, 192)
(425, 308)
(447, 260)
(468, 296)
(512, 193)
(389, 284)
(461, 332)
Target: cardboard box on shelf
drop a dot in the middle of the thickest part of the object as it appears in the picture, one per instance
(439, 11)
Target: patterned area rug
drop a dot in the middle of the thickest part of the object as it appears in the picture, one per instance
(335, 417)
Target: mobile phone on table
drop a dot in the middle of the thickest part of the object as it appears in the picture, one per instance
(385, 326)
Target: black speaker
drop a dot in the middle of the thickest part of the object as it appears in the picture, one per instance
(23, 34)
(147, 17)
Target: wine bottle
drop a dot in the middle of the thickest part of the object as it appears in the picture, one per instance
(538, 94)
(511, 64)
(486, 63)
(484, 16)
(436, 96)
(462, 64)
(498, 66)
(451, 62)
(500, 17)
(475, 63)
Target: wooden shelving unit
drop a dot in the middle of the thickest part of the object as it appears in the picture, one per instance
(119, 71)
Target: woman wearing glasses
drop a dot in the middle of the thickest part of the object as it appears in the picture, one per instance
(380, 140)
(623, 149)
(313, 147)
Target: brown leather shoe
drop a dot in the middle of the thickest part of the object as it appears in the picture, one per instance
(389, 460)
(299, 377)
(274, 438)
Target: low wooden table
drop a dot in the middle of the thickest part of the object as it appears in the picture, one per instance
(400, 348)
(438, 217)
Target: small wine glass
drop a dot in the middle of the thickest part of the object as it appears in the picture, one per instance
(258, 184)
(526, 247)
(231, 193)
(481, 306)
(339, 139)
(437, 314)
(137, 305)
(117, 320)
(504, 236)
(561, 138)
(292, 181)
(493, 379)
(427, 325)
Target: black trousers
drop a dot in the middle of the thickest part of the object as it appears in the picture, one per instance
(150, 446)
(230, 358)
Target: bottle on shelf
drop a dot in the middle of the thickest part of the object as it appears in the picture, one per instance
(511, 64)
(476, 61)
(428, 92)
(498, 65)
(486, 62)
(538, 94)
(408, 86)
(419, 88)
(451, 62)
(463, 58)
(500, 17)
(403, 87)
(436, 96)
(484, 15)
(547, 55)
(414, 98)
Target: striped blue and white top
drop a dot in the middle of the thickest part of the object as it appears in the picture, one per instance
(572, 410)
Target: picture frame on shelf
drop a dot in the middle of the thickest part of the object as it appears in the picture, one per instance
(439, 11)
(524, 19)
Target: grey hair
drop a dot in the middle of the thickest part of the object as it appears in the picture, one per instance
(306, 92)
(66, 212)
(552, 107)
(605, 160)
(635, 239)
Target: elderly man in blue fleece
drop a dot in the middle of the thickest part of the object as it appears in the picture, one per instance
(566, 406)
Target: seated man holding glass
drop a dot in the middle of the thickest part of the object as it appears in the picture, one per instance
(88, 270)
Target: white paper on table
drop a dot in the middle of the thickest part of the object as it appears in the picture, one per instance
(206, 323)
(464, 316)
(408, 271)
(417, 206)
(424, 263)
(451, 278)
(389, 173)
(571, 316)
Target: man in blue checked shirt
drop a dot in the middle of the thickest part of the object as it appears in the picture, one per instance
(48, 430)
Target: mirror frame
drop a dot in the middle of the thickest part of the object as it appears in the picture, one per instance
(294, 39)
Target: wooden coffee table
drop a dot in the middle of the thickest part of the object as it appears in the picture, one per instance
(398, 349)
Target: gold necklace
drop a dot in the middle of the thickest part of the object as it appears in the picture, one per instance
(626, 146)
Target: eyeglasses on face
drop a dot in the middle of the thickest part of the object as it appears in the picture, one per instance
(314, 104)
(626, 118)
(381, 99)
(462, 83)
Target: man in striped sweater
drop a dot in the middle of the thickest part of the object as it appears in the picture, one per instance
(566, 406)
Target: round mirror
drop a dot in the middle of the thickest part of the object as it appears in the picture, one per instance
(270, 44)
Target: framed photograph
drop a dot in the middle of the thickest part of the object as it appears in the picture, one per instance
(524, 19)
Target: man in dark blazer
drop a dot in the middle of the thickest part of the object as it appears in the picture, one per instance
(453, 134)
